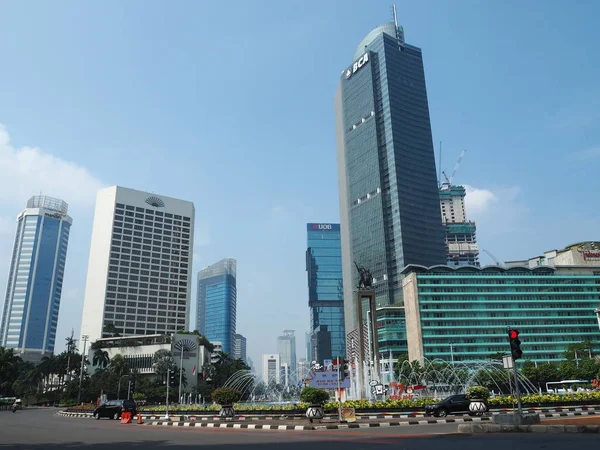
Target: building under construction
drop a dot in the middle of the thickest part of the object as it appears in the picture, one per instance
(461, 240)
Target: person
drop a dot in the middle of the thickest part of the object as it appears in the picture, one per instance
(14, 407)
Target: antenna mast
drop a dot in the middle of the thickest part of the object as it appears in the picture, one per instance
(395, 15)
(440, 167)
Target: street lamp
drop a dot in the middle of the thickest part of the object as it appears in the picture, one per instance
(119, 386)
(85, 338)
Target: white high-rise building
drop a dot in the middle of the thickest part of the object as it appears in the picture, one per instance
(271, 368)
(140, 266)
(286, 347)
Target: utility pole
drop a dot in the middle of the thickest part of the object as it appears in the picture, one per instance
(85, 338)
(168, 380)
(69, 350)
(339, 390)
(129, 390)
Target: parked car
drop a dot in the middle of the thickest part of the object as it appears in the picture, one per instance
(113, 409)
(455, 404)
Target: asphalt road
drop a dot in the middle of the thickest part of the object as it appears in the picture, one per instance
(41, 429)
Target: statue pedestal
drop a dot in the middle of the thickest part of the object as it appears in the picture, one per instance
(363, 341)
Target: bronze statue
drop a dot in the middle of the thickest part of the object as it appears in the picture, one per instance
(365, 280)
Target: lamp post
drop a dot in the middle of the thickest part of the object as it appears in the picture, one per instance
(452, 353)
(119, 386)
(85, 338)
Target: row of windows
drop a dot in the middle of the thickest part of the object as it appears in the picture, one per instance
(121, 206)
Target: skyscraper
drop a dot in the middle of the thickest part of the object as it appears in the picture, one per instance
(217, 297)
(286, 347)
(389, 202)
(140, 264)
(240, 347)
(35, 278)
(461, 241)
(325, 286)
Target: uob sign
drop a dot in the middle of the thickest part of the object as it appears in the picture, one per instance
(324, 226)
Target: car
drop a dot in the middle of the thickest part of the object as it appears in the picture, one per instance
(113, 409)
(455, 404)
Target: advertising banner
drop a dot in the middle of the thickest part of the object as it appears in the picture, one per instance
(326, 380)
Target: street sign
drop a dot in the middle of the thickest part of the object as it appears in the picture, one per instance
(327, 380)
(507, 361)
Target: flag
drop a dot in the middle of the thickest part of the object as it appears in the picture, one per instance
(194, 370)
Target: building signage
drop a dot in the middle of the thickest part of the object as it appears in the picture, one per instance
(324, 226)
(590, 251)
(591, 256)
(357, 65)
(53, 216)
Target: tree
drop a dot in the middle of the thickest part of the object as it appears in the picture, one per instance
(162, 361)
(101, 358)
(109, 330)
(118, 365)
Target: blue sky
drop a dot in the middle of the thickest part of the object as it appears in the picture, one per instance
(230, 105)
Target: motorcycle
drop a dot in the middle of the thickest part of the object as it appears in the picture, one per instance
(14, 408)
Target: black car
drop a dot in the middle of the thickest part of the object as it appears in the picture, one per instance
(455, 404)
(113, 409)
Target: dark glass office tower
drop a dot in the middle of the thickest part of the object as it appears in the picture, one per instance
(217, 302)
(389, 202)
(325, 287)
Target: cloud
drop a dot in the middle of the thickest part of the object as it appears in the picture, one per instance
(27, 171)
(478, 200)
(589, 153)
(276, 210)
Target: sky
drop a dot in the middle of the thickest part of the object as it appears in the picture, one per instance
(230, 105)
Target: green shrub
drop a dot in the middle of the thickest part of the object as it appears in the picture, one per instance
(478, 392)
(314, 396)
(226, 396)
(139, 396)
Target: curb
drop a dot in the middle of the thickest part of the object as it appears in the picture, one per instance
(314, 427)
(493, 428)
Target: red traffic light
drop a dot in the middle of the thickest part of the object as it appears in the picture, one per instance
(514, 334)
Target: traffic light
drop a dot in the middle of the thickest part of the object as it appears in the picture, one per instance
(133, 386)
(345, 370)
(515, 344)
(172, 378)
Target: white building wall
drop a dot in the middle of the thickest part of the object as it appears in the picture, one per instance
(271, 363)
(167, 316)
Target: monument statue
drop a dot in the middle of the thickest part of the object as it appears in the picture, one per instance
(365, 278)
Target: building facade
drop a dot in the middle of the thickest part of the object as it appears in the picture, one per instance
(389, 201)
(325, 282)
(139, 351)
(217, 303)
(271, 368)
(240, 347)
(462, 313)
(34, 288)
(320, 344)
(459, 233)
(139, 272)
(286, 348)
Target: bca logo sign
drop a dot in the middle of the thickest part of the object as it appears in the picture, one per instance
(322, 226)
(357, 65)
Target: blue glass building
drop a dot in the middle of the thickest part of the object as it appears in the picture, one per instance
(30, 314)
(325, 286)
(217, 303)
(389, 202)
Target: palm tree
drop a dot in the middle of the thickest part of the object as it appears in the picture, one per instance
(118, 365)
(9, 370)
(101, 358)
(162, 361)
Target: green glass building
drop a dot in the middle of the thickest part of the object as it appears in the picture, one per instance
(462, 313)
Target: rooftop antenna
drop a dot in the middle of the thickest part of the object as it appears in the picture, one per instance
(395, 15)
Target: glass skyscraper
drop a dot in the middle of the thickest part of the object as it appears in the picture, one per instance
(217, 303)
(325, 286)
(389, 201)
(35, 278)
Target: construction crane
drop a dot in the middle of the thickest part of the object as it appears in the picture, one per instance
(448, 182)
(493, 257)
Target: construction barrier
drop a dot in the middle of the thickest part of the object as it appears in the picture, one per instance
(126, 417)
(139, 417)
